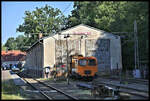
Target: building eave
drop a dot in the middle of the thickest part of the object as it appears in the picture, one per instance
(70, 29)
(34, 44)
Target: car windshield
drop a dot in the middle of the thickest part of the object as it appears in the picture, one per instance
(82, 62)
(91, 62)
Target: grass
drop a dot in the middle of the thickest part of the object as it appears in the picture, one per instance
(11, 97)
(10, 91)
(45, 79)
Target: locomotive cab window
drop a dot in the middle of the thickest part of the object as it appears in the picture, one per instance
(82, 62)
(92, 62)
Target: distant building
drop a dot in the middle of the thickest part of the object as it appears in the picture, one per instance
(84, 40)
(12, 57)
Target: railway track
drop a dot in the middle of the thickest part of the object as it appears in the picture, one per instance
(131, 80)
(124, 88)
(140, 81)
(48, 92)
(130, 90)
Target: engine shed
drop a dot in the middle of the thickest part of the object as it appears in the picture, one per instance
(82, 39)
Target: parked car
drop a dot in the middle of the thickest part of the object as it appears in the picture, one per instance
(4, 68)
(7, 67)
(15, 68)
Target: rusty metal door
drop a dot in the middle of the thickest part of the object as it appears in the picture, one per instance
(101, 50)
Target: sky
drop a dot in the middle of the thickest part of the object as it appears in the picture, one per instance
(13, 13)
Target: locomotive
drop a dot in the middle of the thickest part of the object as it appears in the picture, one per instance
(81, 67)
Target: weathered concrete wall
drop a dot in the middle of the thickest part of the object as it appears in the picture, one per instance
(49, 52)
(115, 49)
(116, 58)
(96, 34)
(45, 56)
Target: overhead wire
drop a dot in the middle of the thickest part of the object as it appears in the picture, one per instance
(67, 7)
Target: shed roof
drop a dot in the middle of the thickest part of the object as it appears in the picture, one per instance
(70, 29)
(104, 32)
(13, 55)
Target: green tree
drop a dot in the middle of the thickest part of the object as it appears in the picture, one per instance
(18, 43)
(11, 44)
(3, 47)
(84, 12)
(116, 17)
(21, 42)
(45, 20)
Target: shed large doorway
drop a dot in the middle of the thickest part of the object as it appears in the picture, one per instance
(101, 50)
(74, 46)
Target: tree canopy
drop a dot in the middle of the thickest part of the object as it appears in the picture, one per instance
(11, 44)
(45, 20)
(114, 16)
(3, 47)
(18, 43)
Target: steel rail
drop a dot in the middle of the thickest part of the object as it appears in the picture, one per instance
(127, 89)
(132, 80)
(124, 86)
(138, 81)
(47, 97)
(134, 93)
(73, 98)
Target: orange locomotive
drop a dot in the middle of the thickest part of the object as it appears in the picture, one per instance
(83, 66)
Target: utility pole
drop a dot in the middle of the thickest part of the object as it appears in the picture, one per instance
(67, 58)
(67, 35)
(67, 63)
(136, 46)
(135, 30)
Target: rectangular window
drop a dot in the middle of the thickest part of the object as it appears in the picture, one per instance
(91, 62)
(82, 62)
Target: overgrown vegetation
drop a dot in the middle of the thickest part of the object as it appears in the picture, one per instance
(11, 92)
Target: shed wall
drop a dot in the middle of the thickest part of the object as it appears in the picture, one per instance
(34, 61)
(114, 45)
(42, 56)
(49, 52)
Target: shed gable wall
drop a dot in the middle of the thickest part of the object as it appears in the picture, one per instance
(34, 61)
(49, 52)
